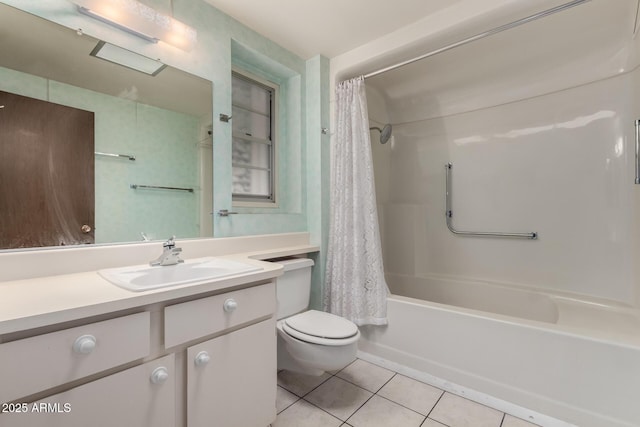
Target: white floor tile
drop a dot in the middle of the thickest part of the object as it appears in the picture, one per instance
(304, 414)
(380, 412)
(299, 384)
(284, 399)
(510, 421)
(455, 411)
(431, 423)
(366, 375)
(338, 397)
(413, 394)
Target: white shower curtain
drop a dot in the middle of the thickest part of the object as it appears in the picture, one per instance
(355, 287)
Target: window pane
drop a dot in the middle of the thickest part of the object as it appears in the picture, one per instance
(252, 124)
(251, 182)
(250, 96)
(251, 153)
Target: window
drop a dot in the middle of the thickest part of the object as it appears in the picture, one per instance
(254, 124)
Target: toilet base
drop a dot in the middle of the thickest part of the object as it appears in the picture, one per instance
(312, 359)
(288, 363)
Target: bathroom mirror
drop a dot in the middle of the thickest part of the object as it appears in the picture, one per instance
(149, 173)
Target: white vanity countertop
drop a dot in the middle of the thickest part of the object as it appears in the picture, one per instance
(38, 302)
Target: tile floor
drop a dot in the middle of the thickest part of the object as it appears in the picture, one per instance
(364, 394)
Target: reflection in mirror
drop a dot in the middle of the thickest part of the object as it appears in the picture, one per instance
(92, 151)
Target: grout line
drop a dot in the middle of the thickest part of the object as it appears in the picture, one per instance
(324, 410)
(359, 386)
(360, 407)
(402, 406)
(388, 381)
(436, 404)
(437, 422)
(292, 403)
(504, 415)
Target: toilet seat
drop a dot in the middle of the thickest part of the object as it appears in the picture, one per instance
(318, 327)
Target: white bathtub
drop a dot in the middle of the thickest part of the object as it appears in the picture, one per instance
(575, 360)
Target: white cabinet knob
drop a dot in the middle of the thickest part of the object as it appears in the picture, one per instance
(84, 344)
(230, 305)
(202, 358)
(159, 375)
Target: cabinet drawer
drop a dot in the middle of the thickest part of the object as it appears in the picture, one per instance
(36, 364)
(131, 398)
(194, 319)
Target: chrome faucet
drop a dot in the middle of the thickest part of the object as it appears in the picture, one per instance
(170, 254)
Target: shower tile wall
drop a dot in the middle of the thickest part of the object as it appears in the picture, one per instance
(558, 164)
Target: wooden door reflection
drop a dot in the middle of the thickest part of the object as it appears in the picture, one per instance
(46, 173)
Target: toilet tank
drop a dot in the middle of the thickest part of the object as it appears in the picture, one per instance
(293, 288)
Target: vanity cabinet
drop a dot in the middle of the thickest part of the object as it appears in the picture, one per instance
(231, 379)
(204, 360)
(143, 396)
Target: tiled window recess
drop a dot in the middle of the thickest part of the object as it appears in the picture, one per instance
(367, 395)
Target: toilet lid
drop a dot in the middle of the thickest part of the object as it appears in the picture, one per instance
(322, 325)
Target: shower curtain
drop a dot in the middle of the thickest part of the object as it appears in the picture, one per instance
(355, 287)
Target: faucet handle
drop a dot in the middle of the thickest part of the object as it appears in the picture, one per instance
(170, 243)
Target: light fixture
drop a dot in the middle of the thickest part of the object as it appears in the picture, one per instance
(140, 20)
(129, 59)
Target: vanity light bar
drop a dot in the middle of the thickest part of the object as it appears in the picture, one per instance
(95, 15)
(142, 21)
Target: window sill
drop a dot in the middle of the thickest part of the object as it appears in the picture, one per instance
(268, 205)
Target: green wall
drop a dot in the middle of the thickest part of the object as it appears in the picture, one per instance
(222, 43)
(164, 144)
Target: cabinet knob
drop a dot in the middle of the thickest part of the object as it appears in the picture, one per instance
(84, 344)
(159, 375)
(202, 358)
(230, 305)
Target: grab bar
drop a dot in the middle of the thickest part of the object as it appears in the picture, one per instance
(126, 156)
(638, 151)
(449, 214)
(156, 187)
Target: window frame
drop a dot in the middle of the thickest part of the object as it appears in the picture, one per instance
(239, 200)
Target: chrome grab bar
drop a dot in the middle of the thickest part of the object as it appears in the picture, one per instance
(638, 151)
(449, 214)
(158, 187)
(125, 156)
(226, 212)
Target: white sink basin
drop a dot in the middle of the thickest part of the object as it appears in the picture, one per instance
(145, 277)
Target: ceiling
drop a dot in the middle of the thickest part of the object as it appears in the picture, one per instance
(327, 27)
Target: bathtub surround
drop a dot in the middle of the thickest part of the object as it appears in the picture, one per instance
(540, 142)
(355, 286)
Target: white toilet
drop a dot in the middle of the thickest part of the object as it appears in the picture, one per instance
(309, 342)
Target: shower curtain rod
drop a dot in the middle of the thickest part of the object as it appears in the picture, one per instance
(496, 30)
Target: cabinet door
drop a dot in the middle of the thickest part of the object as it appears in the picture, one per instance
(128, 398)
(236, 386)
